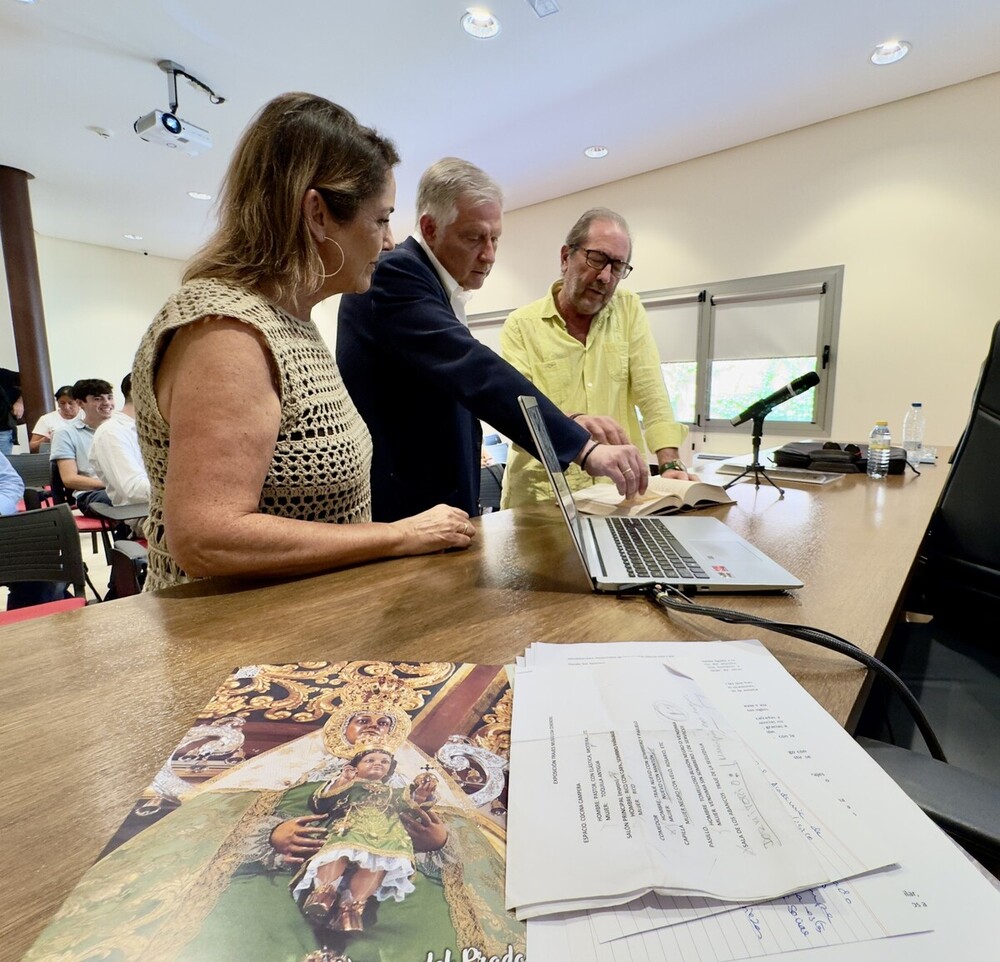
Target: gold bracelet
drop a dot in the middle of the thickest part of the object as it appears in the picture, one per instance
(674, 465)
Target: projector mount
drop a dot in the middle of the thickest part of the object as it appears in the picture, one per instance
(172, 69)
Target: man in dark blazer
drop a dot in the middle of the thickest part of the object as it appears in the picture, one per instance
(422, 382)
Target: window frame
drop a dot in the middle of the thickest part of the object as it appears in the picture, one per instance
(826, 282)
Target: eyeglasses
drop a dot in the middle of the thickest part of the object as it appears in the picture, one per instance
(598, 260)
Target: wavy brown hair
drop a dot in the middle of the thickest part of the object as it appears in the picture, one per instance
(297, 141)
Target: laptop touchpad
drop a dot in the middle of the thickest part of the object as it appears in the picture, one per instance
(729, 555)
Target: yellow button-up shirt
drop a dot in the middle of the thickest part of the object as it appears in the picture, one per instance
(616, 370)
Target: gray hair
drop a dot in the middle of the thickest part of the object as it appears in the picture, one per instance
(443, 183)
(581, 229)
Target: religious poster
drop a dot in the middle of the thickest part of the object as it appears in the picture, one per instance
(315, 812)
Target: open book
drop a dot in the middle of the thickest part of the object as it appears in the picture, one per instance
(663, 496)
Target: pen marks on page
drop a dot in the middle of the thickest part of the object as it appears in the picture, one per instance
(552, 751)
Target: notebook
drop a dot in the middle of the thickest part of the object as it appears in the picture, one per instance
(701, 552)
(737, 465)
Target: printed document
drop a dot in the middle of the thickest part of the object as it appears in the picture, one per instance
(629, 776)
(934, 904)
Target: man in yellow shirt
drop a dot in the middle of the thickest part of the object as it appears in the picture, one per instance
(587, 346)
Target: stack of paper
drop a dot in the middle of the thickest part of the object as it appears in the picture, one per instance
(694, 803)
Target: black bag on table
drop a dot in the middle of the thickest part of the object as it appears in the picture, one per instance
(834, 457)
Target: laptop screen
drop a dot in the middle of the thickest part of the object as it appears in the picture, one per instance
(564, 497)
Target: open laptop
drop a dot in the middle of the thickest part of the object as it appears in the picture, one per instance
(700, 552)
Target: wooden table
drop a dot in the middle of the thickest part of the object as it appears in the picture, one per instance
(94, 700)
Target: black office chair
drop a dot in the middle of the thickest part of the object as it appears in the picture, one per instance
(35, 469)
(60, 494)
(952, 663)
(490, 486)
(966, 806)
(42, 546)
(960, 557)
(129, 563)
(35, 498)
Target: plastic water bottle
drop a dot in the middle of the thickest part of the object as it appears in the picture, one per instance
(879, 442)
(913, 432)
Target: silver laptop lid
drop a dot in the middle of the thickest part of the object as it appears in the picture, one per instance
(564, 497)
(727, 561)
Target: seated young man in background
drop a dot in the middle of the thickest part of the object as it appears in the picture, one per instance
(71, 444)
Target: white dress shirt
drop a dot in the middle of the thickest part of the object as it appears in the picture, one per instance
(116, 459)
(457, 294)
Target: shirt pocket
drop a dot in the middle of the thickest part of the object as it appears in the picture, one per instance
(555, 379)
(614, 360)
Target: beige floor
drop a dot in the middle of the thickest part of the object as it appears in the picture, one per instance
(97, 568)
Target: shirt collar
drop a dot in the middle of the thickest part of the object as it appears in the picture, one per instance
(457, 295)
(450, 284)
(550, 309)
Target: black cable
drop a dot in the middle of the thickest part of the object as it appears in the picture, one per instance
(212, 95)
(657, 594)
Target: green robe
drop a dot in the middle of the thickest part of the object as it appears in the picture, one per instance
(184, 891)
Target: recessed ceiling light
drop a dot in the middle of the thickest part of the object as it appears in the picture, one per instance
(133, 236)
(596, 152)
(889, 52)
(480, 23)
(199, 195)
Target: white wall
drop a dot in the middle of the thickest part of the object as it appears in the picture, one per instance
(98, 302)
(906, 196)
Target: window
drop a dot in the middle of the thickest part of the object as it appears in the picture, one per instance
(725, 345)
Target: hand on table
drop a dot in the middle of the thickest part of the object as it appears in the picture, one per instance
(436, 529)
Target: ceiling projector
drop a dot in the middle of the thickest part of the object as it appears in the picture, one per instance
(168, 130)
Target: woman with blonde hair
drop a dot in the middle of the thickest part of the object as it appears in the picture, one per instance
(257, 459)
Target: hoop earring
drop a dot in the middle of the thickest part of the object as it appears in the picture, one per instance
(343, 259)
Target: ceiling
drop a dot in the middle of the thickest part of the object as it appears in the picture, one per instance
(656, 81)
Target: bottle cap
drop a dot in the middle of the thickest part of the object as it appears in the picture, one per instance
(881, 424)
(916, 404)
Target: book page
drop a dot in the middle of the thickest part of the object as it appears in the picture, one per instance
(663, 496)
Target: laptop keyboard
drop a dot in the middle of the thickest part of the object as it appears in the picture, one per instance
(649, 550)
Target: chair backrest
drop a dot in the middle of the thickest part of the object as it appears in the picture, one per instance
(60, 493)
(42, 546)
(963, 540)
(129, 562)
(35, 498)
(490, 485)
(34, 469)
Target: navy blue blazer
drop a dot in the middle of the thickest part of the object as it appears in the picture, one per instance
(422, 382)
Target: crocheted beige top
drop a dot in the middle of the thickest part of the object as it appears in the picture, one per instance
(320, 467)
